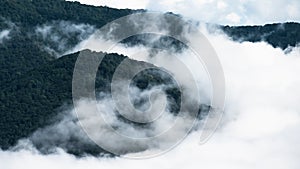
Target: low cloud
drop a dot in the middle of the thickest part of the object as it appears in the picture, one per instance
(8, 27)
(58, 37)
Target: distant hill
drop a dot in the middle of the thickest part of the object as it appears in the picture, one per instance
(280, 35)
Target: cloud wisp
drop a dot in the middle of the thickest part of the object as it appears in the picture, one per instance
(59, 37)
(6, 31)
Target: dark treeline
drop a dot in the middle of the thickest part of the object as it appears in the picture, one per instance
(278, 35)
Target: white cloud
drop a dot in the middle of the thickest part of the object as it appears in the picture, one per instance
(221, 5)
(4, 34)
(233, 18)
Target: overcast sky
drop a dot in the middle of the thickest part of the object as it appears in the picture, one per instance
(232, 12)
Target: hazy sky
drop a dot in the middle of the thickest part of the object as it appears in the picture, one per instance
(233, 12)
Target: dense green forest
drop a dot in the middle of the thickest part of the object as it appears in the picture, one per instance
(35, 83)
(278, 35)
(33, 12)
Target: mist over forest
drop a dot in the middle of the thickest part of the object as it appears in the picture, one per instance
(41, 42)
